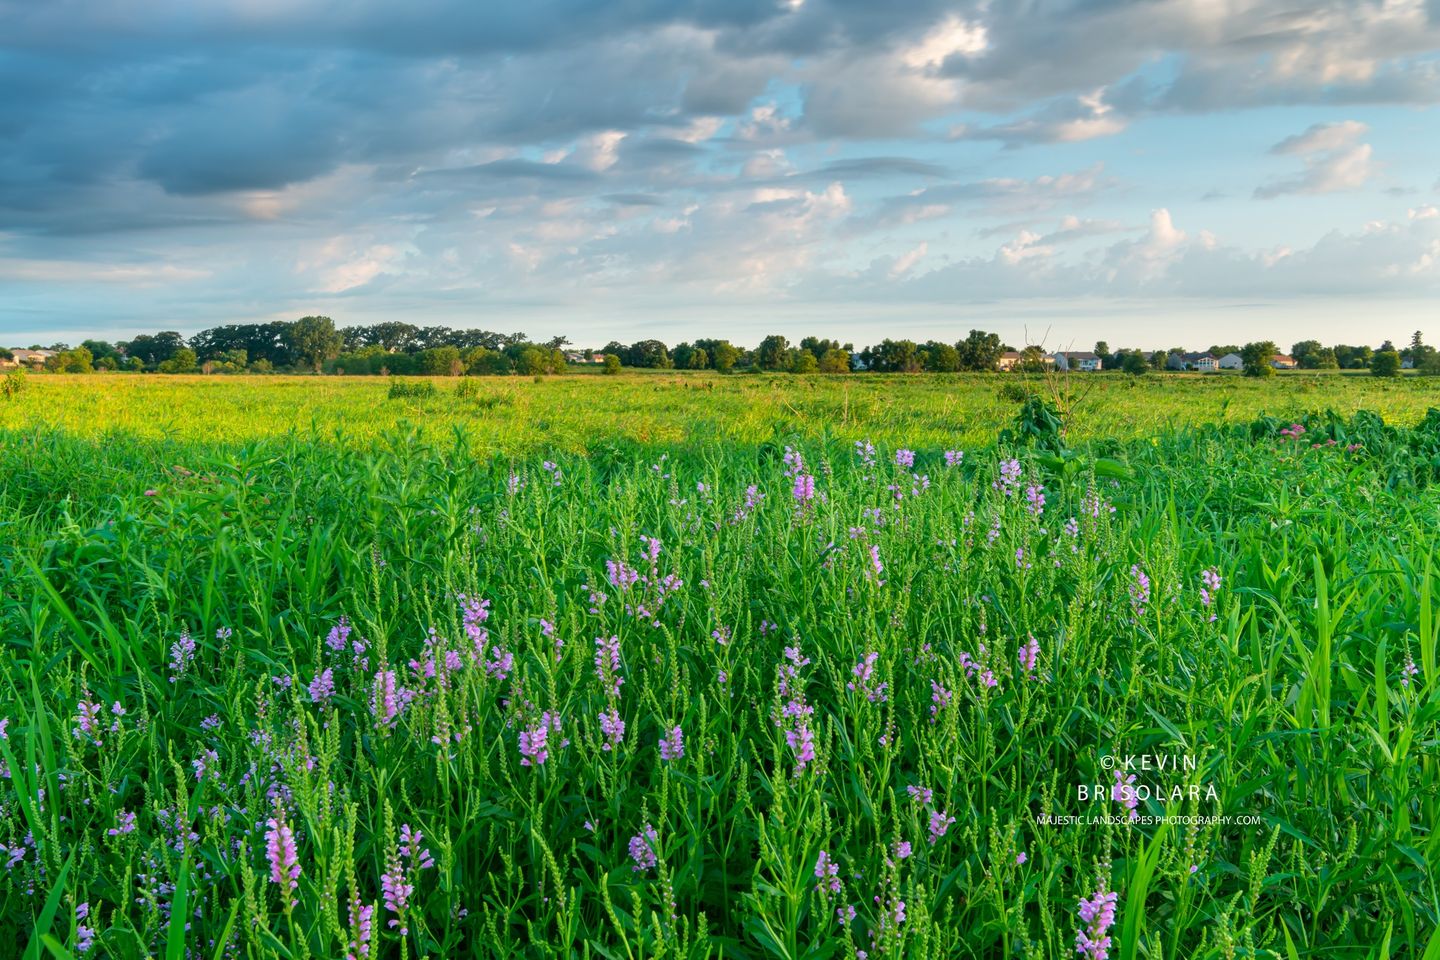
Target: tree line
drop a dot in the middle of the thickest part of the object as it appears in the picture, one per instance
(315, 344)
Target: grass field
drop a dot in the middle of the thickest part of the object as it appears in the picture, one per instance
(699, 666)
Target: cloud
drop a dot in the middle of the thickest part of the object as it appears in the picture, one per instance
(1333, 160)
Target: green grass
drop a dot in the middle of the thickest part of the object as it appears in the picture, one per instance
(252, 514)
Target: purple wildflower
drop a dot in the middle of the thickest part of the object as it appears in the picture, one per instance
(804, 490)
(607, 665)
(182, 655)
(953, 458)
(396, 894)
(1009, 479)
(612, 727)
(280, 851)
(1098, 915)
(339, 636)
(1035, 499)
(1139, 590)
(84, 935)
(1029, 656)
(411, 850)
(642, 849)
(905, 458)
(827, 871)
(673, 748)
(1410, 671)
(939, 824)
(322, 688)
(362, 929)
(385, 700)
(1123, 791)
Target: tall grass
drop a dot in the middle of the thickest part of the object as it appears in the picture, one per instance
(848, 670)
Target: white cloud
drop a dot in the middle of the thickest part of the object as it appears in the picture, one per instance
(1333, 160)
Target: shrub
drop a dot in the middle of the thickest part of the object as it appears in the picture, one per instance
(14, 384)
(1385, 364)
(612, 364)
(411, 388)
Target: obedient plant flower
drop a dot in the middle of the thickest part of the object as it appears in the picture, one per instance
(84, 935)
(1098, 916)
(612, 727)
(1139, 590)
(939, 824)
(804, 489)
(361, 929)
(794, 462)
(643, 849)
(280, 851)
(1123, 791)
(1008, 480)
(339, 636)
(1029, 656)
(410, 849)
(905, 458)
(322, 688)
(1035, 499)
(1210, 586)
(473, 614)
(87, 720)
(395, 891)
(385, 700)
(953, 458)
(182, 655)
(864, 673)
(607, 665)
(827, 872)
(1409, 671)
(673, 747)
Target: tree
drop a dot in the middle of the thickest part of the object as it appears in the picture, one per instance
(315, 340)
(835, 361)
(532, 362)
(78, 360)
(819, 347)
(681, 355)
(1352, 358)
(440, 362)
(1134, 363)
(1256, 357)
(1218, 350)
(980, 350)
(1386, 363)
(1324, 359)
(184, 361)
(1102, 350)
(1418, 353)
(154, 350)
(723, 354)
(1160, 359)
(773, 353)
(1306, 354)
(941, 358)
(804, 361)
(699, 360)
(649, 353)
(611, 365)
(1032, 360)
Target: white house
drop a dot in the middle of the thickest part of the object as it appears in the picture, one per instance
(1203, 362)
(33, 358)
(1231, 361)
(1008, 359)
(1075, 360)
(1283, 361)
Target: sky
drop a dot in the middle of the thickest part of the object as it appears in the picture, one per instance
(1152, 173)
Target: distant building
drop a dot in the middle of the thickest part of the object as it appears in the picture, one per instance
(1008, 359)
(31, 358)
(1231, 361)
(1204, 362)
(1075, 360)
(1283, 361)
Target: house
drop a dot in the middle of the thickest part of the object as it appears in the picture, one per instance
(1204, 362)
(1231, 361)
(1073, 360)
(1011, 359)
(32, 358)
(1283, 361)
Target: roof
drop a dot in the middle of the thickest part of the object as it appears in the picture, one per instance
(1199, 356)
(1080, 355)
(1010, 355)
(1283, 357)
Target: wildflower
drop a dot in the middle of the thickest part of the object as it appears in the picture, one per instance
(642, 849)
(1123, 791)
(804, 490)
(339, 636)
(204, 762)
(411, 850)
(827, 871)
(607, 664)
(553, 470)
(1020, 859)
(612, 727)
(396, 894)
(939, 700)
(621, 575)
(473, 614)
(84, 935)
(533, 750)
(1009, 479)
(864, 673)
(905, 458)
(1035, 499)
(1098, 915)
(280, 851)
(953, 458)
(385, 703)
(1409, 671)
(4, 724)
(87, 716)
(875, 565)
(1139, 590)
(1029, 656)
(124, 823)
(322, 688)
(152, 493)
(182, 655)
(1210, 580)
(211, 722)
(939, 824)
(794, 462)
(1020, 562)
(362, 929)
(802, 742)
(903, 848)
(673, 748)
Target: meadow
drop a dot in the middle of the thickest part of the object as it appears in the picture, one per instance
(700, 666)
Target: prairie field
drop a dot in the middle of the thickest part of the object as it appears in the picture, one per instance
(720, 666)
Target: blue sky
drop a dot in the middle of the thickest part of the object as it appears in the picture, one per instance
(1148, 172)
